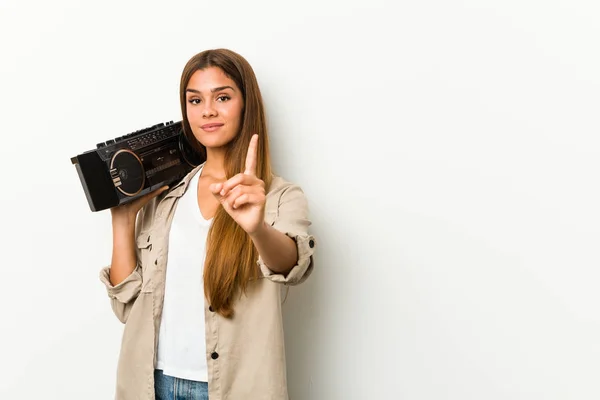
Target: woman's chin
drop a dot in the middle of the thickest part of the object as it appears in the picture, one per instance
(214, 141)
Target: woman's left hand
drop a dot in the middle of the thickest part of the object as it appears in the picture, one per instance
(243, 196)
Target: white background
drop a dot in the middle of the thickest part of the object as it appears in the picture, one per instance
(449, 151)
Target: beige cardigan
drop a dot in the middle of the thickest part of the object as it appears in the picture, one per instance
(245, 355)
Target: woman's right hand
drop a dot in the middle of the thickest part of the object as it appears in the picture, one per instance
(127, 212)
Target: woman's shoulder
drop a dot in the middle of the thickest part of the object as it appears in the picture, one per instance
(280, 185)
(285, 192)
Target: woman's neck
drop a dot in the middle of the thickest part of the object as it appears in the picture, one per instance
(215, 164)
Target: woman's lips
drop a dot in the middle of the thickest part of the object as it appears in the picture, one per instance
(210, 127)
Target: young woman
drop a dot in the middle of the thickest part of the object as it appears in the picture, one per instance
(197, 268)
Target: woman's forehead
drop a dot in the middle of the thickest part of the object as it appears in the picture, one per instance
(210, 78)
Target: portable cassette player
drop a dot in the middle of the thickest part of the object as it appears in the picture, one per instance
(123, 169)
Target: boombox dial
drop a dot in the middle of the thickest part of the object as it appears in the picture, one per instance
(127, 172)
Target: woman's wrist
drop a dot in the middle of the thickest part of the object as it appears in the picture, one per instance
(122, 219)
(259, 232)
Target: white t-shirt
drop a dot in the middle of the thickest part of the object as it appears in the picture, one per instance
(181, 342)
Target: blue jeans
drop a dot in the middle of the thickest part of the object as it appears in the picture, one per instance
(169, 388)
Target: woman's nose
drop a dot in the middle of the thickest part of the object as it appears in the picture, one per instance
(209, 110)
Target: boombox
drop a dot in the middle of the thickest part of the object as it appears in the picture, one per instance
(123, 169)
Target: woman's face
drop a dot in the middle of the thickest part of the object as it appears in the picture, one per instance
(214, 107)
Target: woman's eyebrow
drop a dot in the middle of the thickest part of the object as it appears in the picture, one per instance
(217, 89)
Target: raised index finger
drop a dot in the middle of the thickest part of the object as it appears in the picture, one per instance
(251, 156)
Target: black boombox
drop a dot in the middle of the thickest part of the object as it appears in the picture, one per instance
(127, 167)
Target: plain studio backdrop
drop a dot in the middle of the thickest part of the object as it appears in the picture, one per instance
(449, 151)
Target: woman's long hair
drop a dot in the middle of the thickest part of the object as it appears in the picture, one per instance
(231, 257)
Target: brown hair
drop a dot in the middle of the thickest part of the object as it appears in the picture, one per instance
(230, 255)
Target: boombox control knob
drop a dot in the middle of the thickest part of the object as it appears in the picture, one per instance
(114, 174)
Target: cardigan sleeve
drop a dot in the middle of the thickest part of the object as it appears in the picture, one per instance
(123, 295)
(292, 219)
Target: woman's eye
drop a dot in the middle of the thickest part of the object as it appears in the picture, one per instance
(223, 98)
(194, 101)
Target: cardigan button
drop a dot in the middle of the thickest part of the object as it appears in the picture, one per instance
(311, 243)
(214, 355)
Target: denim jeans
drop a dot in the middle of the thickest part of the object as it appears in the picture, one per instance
(169, 388)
